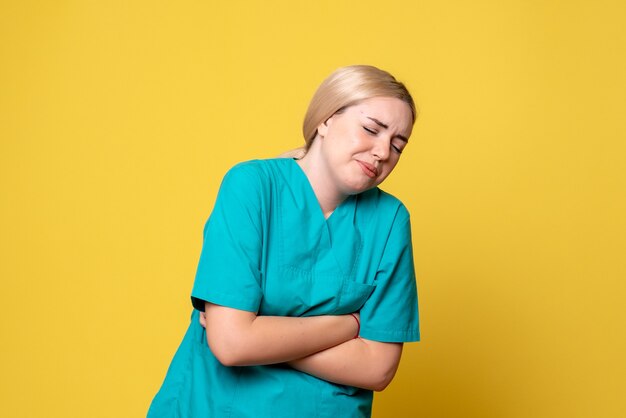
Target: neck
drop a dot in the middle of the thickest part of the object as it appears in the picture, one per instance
(324, 187)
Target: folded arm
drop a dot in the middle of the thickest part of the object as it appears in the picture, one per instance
(241, 338)
(359, 362)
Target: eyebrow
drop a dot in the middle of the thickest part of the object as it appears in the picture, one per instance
(382, 125)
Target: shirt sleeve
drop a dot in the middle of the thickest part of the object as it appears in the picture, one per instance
(229, 272)
(391, 312)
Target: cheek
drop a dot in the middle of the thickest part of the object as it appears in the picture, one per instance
(363, 138)
(356, 136)
(342, 137)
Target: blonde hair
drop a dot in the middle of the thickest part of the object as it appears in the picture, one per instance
(347, 86)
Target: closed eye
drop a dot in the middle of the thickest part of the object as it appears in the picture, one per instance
(374, 132)
(370, 131)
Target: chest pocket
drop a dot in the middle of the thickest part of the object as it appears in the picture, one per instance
(295, 292)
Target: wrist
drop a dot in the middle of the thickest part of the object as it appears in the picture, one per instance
(358, 326)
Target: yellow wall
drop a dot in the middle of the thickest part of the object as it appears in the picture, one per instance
(118, 119)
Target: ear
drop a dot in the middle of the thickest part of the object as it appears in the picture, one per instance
(322, 128)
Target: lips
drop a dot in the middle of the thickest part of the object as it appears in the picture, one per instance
(370, 170)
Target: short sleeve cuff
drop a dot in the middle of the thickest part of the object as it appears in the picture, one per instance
(242, 302)
(390, 336)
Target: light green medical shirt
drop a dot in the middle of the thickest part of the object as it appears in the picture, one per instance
(268, 249)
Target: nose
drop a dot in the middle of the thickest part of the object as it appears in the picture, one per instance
(380, 148)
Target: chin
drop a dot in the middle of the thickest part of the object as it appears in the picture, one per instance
(356, 189)
(359, 184)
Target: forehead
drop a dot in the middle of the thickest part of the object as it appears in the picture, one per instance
(391, 111)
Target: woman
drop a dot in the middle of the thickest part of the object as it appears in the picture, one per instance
(305, 289)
